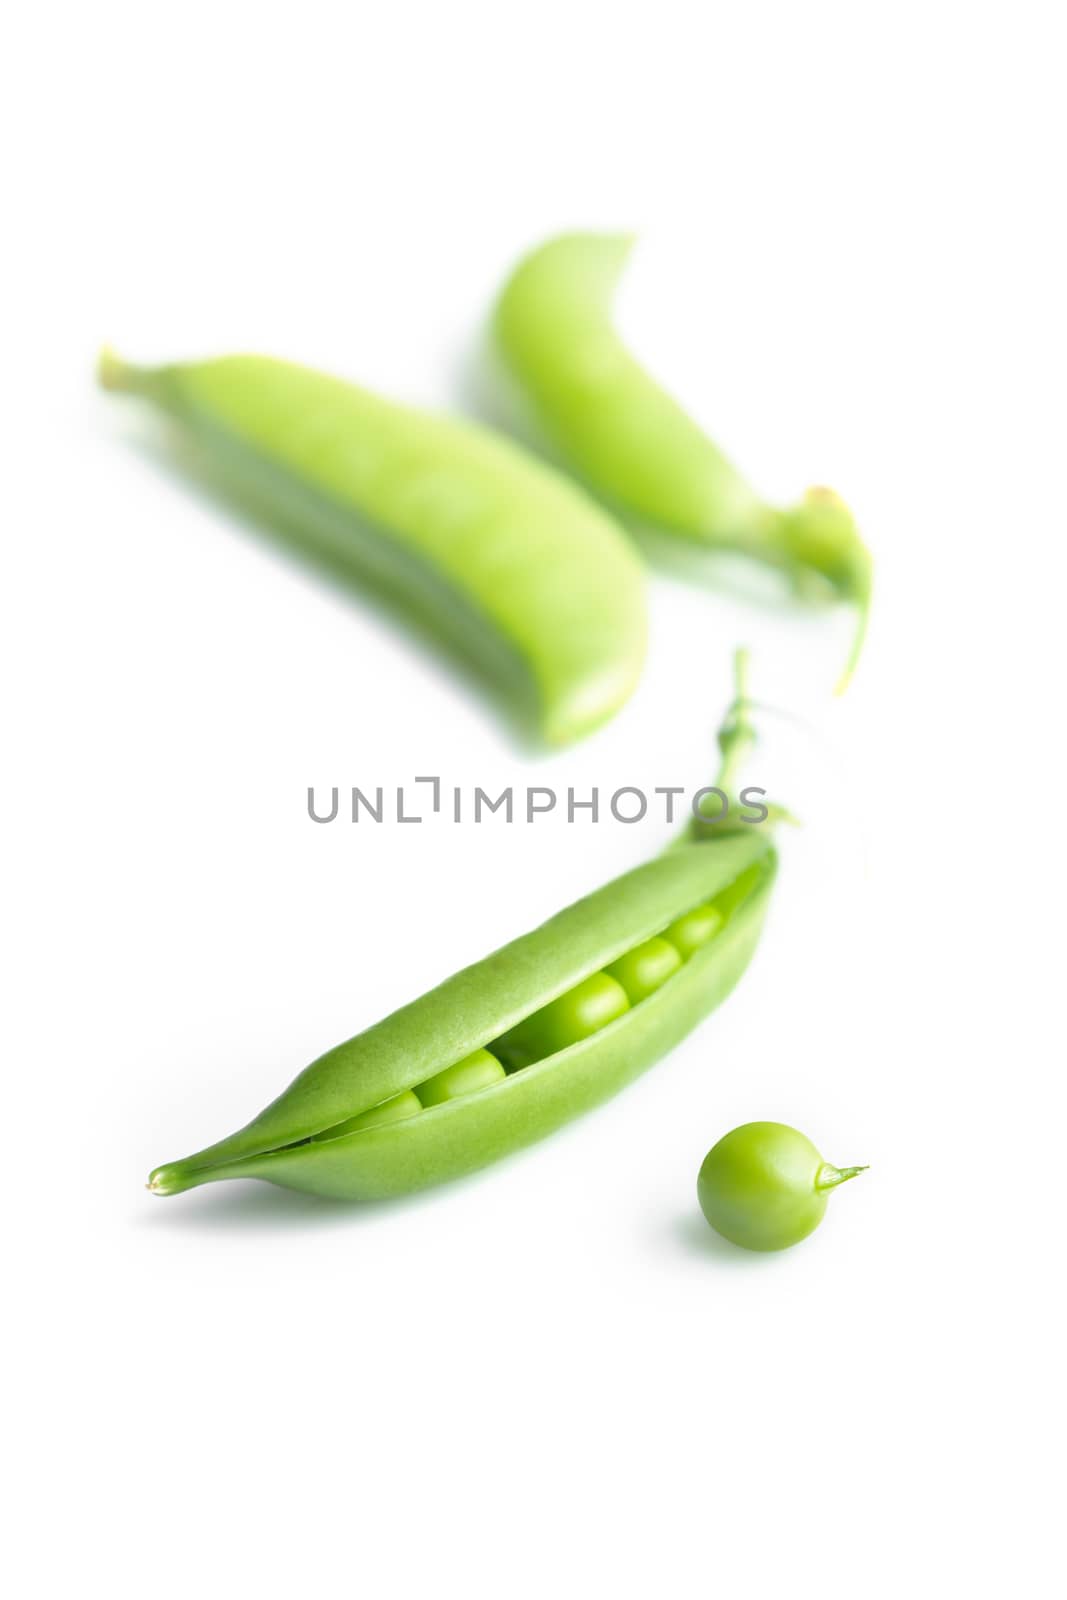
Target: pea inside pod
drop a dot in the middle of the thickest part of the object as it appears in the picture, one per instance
(476, 1071)
(396, 1109)
(498, 558)
(641, 971)
(603, 414)
(511, 1048)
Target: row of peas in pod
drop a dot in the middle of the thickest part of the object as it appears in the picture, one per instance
(591, 1005)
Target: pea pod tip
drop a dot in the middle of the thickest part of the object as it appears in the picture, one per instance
(121, 377)
(163, 1181)
(111, 371)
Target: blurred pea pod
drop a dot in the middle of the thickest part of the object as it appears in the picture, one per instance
(511, 1048)
(635, 446)
(497, 556)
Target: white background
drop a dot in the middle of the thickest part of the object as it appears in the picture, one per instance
(550, 1378)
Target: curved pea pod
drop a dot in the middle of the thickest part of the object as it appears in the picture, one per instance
(299, 1141)
(500, 559)
(636, 447)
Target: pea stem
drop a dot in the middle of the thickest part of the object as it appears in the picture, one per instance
(829, 1176)
(737, 736)
(861, 597)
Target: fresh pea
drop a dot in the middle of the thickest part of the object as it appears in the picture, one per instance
(575, 1010)
(476, 1071)
(643, 970)
(602, 413)
(581, 1011)
(501, 559)
(687, 933)
(765, 1186)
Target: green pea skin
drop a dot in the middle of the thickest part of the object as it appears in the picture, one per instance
(576, 1015)
(515, 571)
(476, 1071)
(395, 1109)
(694, 929)
(645, 969)
(764, 1186)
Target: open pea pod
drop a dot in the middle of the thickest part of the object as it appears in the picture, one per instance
(608, 419)
(498, 558)
(498, 1013)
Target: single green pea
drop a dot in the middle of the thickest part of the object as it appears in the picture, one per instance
(765, 1186)
(694, 929)
(395, 1109)
(582, 1011)
(476, 1071)
(645, 969)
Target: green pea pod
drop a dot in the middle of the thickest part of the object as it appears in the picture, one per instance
(634, 444)
(472, 1010)
(569, 1034)
(498, 557)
